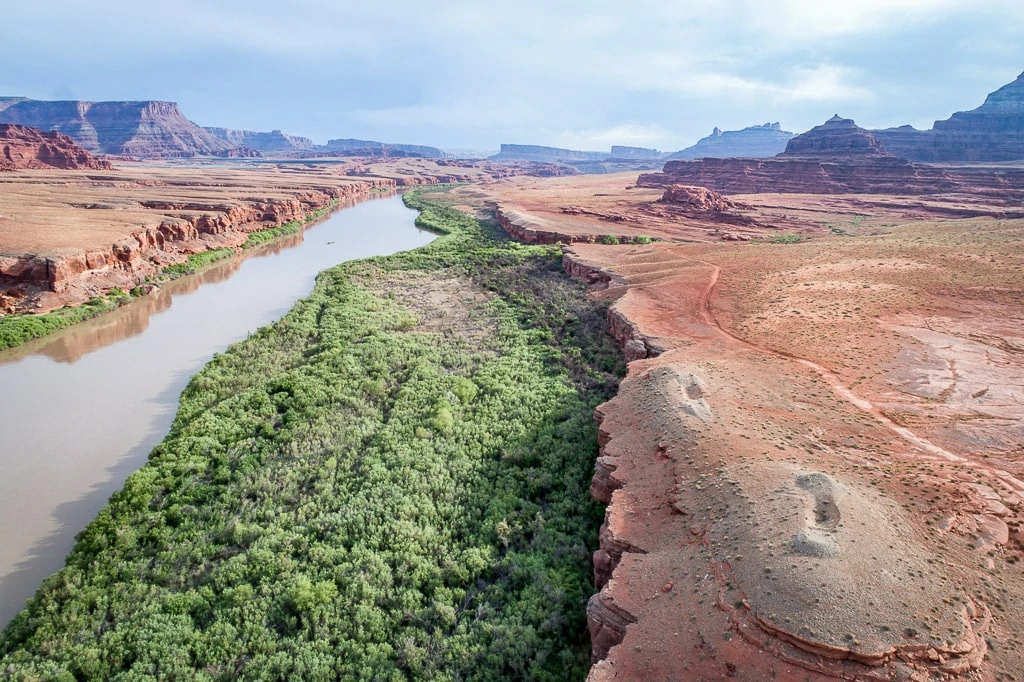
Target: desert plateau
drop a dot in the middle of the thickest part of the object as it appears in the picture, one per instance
(576, 391)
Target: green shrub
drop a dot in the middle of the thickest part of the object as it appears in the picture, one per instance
(196, 261)
(301, 520)
(20, 328)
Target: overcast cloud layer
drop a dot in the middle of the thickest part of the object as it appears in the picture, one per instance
(473, 74)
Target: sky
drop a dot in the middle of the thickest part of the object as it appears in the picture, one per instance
(473, 74)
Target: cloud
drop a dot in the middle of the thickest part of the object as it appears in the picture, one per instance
(572, 73)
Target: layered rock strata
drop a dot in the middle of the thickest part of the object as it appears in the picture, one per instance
(147, 129)
(993, 131)
(42, 282)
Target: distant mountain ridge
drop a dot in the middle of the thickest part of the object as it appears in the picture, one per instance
(759, 141)
(143, 129)
(753, 142)
(349, 145)
(153, 129)
(534, 152)
(993, 131)
(274, 141)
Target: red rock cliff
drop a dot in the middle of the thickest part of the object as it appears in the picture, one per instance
(22, 147)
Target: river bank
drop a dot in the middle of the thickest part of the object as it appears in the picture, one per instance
(16, 329)
(83, 407)
(391, 480)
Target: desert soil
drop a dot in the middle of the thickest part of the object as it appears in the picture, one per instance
(814, 468)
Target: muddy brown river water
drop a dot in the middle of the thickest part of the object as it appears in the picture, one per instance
(81, 410)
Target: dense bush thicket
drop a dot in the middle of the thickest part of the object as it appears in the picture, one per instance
(344, 495)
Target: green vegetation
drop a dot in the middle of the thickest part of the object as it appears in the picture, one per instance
(785, 239)
(642, 239)
(196, 261)
(610, 239)
(272, 233)
(386, 484)
(18, 329)
(293, 227)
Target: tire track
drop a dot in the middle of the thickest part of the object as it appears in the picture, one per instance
(844, 392)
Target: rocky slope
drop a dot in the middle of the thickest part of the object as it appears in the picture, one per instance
(993, 131)
(837, 157)
(142, 130)
(22, 147)
(836, 137)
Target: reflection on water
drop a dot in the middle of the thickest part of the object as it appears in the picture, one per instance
(133, 318)
(80, 410)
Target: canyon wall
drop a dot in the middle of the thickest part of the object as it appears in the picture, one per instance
(188, 227)
(147, 129)
(993, 131)
(838, 157)
(274, 141)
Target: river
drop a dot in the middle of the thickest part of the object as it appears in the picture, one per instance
(80, 410)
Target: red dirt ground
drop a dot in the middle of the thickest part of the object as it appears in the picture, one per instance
(816, 472)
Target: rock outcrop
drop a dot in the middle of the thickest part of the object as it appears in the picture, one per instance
(697, 198)
(754, 142)
(837, 157)
(992, 132)
(731, 550)
(22, 147)
(836, 137)
(143, 130)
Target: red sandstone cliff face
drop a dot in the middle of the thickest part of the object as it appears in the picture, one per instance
(22, 147)
(529, 231)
